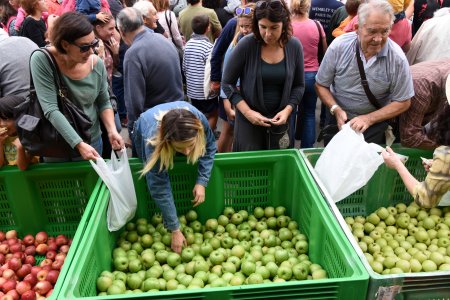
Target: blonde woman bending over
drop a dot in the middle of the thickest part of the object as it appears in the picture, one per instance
(160, 133)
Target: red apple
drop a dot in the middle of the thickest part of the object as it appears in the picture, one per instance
(9, 256)
(7, 297)
(47, 267)
(42, 287)
(30, 259)
(61, 240)
(30, 250)
(28, 240)
(57, 264)
(64, 248)
(41, 237)
(60, 256)
(24, 270)
(52, 276)
(2, 236)
(14, 294)
(15, 264)
(23, 287)
(31, 279)
(41, 275)
(49, 293)
(10, 284)
(11, 234)
(2, 258)
(35, 270)
(15, 248)
(52, 246)
(12, 241)
(4, 249)
(46, 262)
(2, 281)
(41, 249)
(8, 274)
(29, 295)
(50, 254)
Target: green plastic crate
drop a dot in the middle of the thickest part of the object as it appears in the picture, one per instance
(243, 181)
(55, 198)
(386, 188)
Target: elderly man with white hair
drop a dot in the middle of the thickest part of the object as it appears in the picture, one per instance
(364, 78)
(149, 14)
(152, 73)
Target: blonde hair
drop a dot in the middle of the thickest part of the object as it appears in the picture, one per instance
(300, 7)
(178, 129)
(249, 16)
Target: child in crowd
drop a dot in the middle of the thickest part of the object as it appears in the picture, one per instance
(196, 52)
(244, 27)
(11, 150)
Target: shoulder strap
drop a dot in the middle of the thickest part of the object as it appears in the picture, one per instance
(364, 82)
(320, 45)
(169, 23)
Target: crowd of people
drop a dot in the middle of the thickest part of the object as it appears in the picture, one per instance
(167, 71)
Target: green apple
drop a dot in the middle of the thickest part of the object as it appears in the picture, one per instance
(280, 210)
(416, 266)
(319, 274)
(281, 255)
(211, 224)
(201, 266)
(121, 263)
(248, 267)
(173, 259)
(236, 281)
(216, 257)
(228, 211)
(236, 219)
(284, 272)
(300, 271)
(429, 266)
(227, 242)
(254, 278)
(150, 284)
(223, 220)
(282, 221)
(301, 247)
(382, 213)
(191, 215)
(134, 281)
(235, 260)
(103, 283)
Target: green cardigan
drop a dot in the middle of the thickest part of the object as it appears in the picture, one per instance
(90, 94)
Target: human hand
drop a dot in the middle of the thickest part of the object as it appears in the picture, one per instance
(115, 45)
(102, 17)
(256, 118)
(199, 194)
(427, 163)
(390, 158)
(87, 151)
(17, 143)
(282, 117)
(229, 110)
(116, 140)
(3, 134)
(178, 241)
(341, 117)
(214, 89)
(360, 123)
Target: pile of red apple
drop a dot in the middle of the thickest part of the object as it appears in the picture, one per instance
(20, 276)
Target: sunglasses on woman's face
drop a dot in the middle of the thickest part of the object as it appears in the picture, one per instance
(86, 48)
(243, 11)
(273, 4)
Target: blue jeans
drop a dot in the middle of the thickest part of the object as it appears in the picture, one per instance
(306, 114)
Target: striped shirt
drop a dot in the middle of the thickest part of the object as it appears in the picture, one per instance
(196, 53)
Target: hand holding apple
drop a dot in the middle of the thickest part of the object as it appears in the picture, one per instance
(178, 241)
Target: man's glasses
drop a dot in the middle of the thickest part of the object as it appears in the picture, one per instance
(273, 4)
(243, 11)
(86, 48)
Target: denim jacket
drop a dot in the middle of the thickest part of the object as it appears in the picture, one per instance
(158, 182)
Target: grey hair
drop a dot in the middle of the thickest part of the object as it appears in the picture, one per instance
(129, 19)
(144, 7)
(381, 6)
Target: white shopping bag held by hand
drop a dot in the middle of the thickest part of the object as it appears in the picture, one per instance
(116, 174)
(347, 163)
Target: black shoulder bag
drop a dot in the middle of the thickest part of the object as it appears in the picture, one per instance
(373, 100)
(37, 135)
(320, 53)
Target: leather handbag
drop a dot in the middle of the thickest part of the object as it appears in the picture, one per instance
(37, 135)
(278, 137)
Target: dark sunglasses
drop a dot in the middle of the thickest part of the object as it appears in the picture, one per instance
(273, 4)
(86, 48)
(243, 11)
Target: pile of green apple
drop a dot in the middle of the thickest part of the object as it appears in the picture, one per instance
(404, 239)
(234, 249)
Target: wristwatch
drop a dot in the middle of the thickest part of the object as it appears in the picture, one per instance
(333, 108)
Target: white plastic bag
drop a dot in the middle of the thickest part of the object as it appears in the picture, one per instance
(347, 163)
(116, 174)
